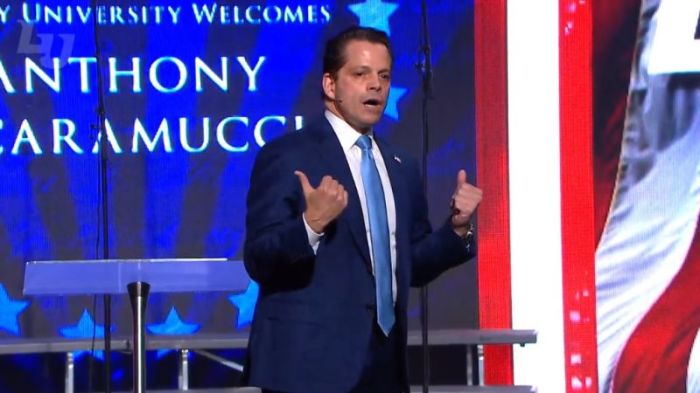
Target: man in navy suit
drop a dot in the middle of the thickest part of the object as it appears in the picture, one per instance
(337, 231)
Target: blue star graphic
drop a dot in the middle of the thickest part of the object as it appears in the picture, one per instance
(392, 108)
(172, 325)
(83, 329)
(245, 302)
(9, 309)
(374, 13)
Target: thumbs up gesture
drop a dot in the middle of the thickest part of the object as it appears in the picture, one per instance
(323, 203)
(465, 200)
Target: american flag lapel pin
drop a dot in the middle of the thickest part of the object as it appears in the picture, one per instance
(397, 159)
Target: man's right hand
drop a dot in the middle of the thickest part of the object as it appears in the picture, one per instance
(324, 203)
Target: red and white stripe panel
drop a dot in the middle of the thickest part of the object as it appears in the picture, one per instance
(536, 240)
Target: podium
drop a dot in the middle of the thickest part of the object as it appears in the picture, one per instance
(137, 277)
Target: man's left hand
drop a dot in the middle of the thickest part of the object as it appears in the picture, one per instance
(465, 200)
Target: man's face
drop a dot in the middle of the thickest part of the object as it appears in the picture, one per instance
(359, 91)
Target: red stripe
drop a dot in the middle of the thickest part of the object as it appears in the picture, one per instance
(492, 173)
(615, 26)
(577, 208)
(655, 358)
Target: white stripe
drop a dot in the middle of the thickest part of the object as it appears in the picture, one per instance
(694, 367)
(535, 192)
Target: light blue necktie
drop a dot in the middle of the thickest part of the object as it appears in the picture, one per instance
(379, 232)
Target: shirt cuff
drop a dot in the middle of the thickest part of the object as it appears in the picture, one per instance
(314, 238)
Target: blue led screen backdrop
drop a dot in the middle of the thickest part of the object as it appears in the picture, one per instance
(192, 90)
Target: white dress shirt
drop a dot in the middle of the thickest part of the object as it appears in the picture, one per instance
(347, 136)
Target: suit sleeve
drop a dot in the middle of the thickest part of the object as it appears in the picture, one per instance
(276, 236)
(432, 253)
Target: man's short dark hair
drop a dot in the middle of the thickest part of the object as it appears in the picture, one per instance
(334, 55)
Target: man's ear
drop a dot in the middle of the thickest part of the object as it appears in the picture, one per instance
(328, 84)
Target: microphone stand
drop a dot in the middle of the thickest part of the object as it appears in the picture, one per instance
(104, 222)
(425, 68)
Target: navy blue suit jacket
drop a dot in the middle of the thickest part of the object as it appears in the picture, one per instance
(315, 312)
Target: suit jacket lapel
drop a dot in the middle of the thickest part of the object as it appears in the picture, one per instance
(392, 161)
(393, 166)
(334, 157)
